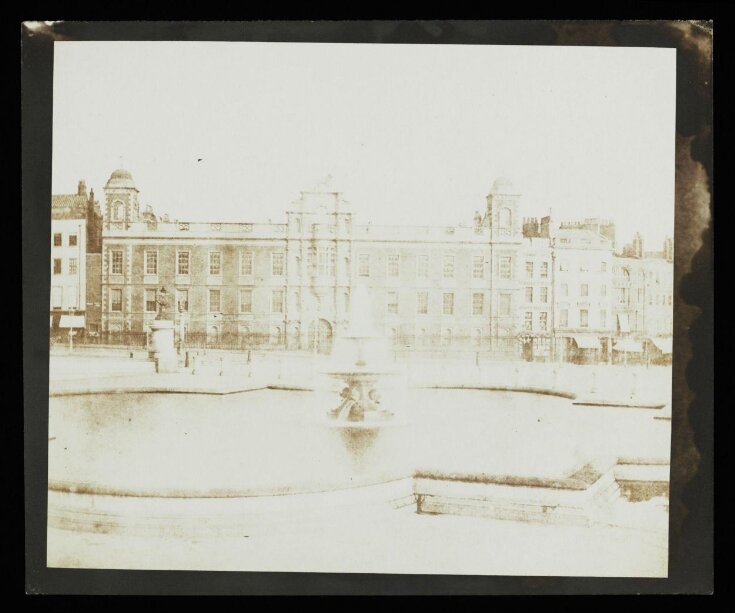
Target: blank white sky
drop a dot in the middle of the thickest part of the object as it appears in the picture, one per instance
(411, 133)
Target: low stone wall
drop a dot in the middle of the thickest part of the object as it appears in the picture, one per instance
(192, 517)
(586, 498)
(580, 499)
(642, 480)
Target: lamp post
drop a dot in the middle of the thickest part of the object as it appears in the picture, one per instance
(71, 329)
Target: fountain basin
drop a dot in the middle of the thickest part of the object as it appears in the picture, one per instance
(279, 442)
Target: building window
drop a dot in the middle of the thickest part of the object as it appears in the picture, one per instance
(150, 301)
(363, 265)
(151, 262)
(544, 295)
(422, 266)
(277, 263)
(311, 260)
(623, 296)
(277, 301)
(215, 263)
(58, 240)
(56, 297)
(72, 240)
(529, 270)
(529, 294)
(564, 289)
(563, 318)
(543, 321)
(326, 258)
(477, 337)
(246, 263)
(393, 267)
(544, 270)
(72, 266)
(669, 300)
(116, 300)
(182, 263)
(504, 305)
(448, 337)
(116, 263)
(603, 266)
(528, 321)
(506, 269)
(422, 303)
(478, 266)
(448, 266)
(214, 300)
(246, 301)
(603, 291)
(603, 319)
(584, 266)
(584, 316)
(117, 210)
(57, 266)
(393, 302)
(563, 266)
(182, 300)
(448, 304)
(506, 218)
(478, 302)
(584, 289)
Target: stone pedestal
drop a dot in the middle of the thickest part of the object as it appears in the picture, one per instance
(162, 345)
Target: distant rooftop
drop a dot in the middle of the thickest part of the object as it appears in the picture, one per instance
(68, 206)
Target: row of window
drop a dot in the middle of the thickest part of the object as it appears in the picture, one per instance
(584, 290)
(183, 263)
(422, 303)
(59, 240)
(543, 269)
(543, 321)
(624, 297)
(584, 266)
(584, 316)
(278, 296)
(214, 300)
(72, 266)
(542, 293)
(323, 262)
(393, 268)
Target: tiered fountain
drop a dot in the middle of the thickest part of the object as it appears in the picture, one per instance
(359, 359)
(363, 352)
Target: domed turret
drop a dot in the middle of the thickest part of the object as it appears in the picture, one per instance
(503, 185)
(502, 207)
(121, 198)
(121, 178)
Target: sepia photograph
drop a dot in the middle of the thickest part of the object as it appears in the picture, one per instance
(361, 308)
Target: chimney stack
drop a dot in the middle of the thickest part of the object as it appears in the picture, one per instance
(82, 188)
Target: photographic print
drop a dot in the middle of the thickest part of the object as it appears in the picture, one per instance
(361, 308)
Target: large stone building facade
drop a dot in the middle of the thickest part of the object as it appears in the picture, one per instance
(503, 284)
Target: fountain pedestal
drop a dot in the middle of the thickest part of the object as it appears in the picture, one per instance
(162, 347)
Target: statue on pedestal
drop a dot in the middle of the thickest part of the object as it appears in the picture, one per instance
(162, 301)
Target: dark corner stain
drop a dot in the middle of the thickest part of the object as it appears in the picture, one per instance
(692, 387)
